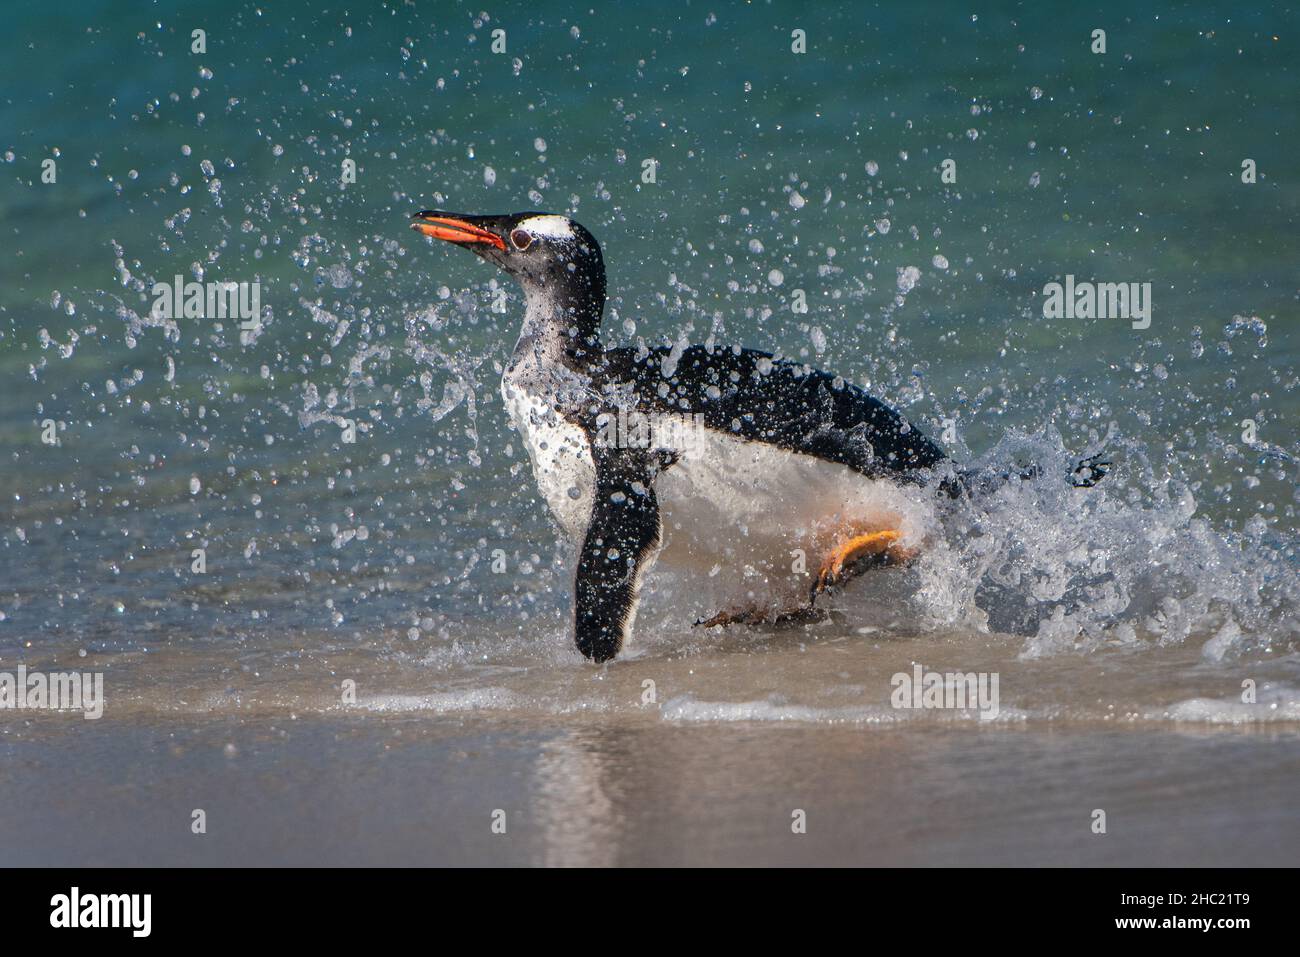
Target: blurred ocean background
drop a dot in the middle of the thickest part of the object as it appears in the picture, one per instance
(1146, 602)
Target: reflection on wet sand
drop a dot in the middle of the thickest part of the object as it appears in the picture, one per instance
(579, 798)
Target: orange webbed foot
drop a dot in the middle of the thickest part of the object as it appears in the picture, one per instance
(859, 551)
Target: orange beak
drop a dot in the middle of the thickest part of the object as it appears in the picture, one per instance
(454, 230)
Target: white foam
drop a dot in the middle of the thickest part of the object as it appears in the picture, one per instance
(470, 699)
(686, 708)
(1279, 703)
(1075, 570)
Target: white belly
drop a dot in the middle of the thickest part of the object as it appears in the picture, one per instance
(560, 454)
(762, 518)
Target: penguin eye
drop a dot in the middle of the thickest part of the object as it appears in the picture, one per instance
(521, 239)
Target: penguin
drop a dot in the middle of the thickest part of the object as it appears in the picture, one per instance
(714, 459)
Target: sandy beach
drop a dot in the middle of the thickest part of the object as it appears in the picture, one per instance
(410, 791)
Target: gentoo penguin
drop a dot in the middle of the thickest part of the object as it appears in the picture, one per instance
(716, 459)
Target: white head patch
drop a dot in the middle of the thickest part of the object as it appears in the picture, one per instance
(548, 227)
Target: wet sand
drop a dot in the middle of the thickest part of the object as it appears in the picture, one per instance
(743, 728)
(415, 790)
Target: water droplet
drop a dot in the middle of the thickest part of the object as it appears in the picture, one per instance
(908, 277)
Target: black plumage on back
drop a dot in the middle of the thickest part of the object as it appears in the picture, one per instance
(751, 395)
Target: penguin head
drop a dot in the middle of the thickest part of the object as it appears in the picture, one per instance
(541, 250)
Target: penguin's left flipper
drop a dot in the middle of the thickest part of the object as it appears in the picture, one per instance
(624, 533)
(855, 555)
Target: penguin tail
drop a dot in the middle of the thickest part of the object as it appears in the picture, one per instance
(1087, 473)
(1090, 471)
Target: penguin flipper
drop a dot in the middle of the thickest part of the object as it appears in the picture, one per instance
(623, 536)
